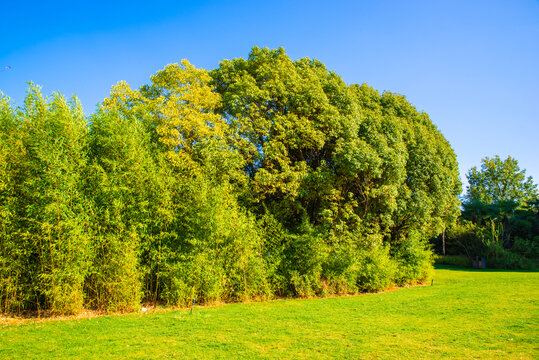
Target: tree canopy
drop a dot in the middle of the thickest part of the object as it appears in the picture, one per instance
(500, 181)
(264, 177)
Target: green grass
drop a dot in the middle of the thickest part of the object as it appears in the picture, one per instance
(467, 314)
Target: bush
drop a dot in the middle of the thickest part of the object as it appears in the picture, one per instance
(376, 271)
(528, 248)
(505, 259)
(454, 260)
(198, 276)
(305, 254)
(115, 280)
(464, 238)
(339, 269)
(414, 261)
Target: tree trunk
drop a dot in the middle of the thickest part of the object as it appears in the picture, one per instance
(443, 242)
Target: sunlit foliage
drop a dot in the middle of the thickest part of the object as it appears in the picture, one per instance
(264, 177)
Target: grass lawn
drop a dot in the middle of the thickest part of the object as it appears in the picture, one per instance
(467, 314)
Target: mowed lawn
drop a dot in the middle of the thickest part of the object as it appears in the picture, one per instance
(467, 314)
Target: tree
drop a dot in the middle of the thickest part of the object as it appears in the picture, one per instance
(499, 181)
(342, 165)
(54, 214)
(14, 253)
(204, 245)
(495, 192)
(121, 183)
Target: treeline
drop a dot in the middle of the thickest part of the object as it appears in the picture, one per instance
(499, 220)
(264, 177)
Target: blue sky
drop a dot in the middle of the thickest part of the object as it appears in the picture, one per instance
(473, 66)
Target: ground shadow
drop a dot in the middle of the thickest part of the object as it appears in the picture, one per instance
(456, 268)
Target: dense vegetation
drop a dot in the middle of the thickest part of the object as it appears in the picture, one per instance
(264, 177)
(500, 217)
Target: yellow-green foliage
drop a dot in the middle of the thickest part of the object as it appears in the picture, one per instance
(13, 257)
(48, 246)
(264, 177)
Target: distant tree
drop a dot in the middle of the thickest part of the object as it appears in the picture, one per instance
(496, 192)
(500, 181)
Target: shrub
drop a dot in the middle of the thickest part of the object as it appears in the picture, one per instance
(414, 261)
(376, 270)
(454, 260)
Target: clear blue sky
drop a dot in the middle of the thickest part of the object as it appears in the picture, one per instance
(473, 66)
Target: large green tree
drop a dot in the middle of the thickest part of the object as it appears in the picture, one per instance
(356, 167)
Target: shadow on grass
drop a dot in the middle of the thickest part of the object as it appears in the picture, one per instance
(456, 268)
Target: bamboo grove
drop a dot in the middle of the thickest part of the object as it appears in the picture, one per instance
(263, 178)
